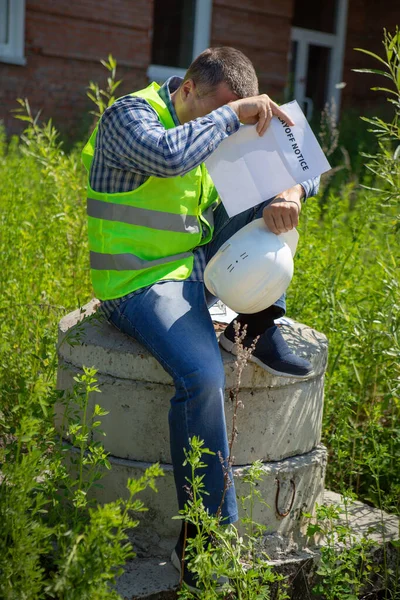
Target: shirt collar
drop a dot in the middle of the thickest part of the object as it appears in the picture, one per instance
(165, 92)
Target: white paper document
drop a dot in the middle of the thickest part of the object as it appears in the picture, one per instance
(248, 169)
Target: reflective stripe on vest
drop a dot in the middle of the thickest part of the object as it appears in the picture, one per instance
(143, 217)
(129, 262)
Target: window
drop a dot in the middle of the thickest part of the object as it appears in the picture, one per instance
(181, 30)
(318, 37)
(316, 15)
(12, 27)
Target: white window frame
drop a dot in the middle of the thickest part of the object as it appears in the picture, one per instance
(334, 41)
(14, 50)
(201, 41)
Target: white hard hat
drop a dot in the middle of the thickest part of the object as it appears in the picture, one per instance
(253, 268)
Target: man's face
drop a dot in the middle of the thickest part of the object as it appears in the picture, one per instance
(193, 103)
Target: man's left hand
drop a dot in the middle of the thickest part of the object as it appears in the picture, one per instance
(282, 214)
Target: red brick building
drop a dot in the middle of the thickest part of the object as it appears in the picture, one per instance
(50, 49)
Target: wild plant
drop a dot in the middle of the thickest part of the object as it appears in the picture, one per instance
(62, 177)
(104, 98)
(73, 548)
(346, 562)
(329, 130)
(329, 138)
(385, 164)
(240, 363)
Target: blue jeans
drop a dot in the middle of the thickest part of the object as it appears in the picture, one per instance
(171, 319)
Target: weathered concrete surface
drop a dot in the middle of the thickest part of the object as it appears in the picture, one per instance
(157, 579)
(365, 520)
(114, 353)
(150, 579)
(275, 422)
(282, 417)
(301, 477)
(147, 578)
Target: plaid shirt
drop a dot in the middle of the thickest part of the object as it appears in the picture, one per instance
(132, 145)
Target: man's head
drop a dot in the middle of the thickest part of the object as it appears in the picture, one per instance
(217, 76)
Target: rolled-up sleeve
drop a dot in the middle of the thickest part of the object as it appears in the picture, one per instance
(311, 187)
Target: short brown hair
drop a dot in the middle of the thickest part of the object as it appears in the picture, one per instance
(215, 65)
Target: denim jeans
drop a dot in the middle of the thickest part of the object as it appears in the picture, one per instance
(171, 319)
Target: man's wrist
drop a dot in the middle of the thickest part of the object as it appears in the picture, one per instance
(233, 105)
(295, 194)
(306, 190)
(302, 192)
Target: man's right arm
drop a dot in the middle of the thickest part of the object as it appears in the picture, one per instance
(132, 138)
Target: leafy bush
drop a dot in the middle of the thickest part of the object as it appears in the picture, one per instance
(55, 543)
(385, 164)
(250, 574)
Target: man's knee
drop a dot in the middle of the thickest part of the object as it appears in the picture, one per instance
(208, 380)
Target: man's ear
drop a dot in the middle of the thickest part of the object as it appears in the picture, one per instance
(187, 89)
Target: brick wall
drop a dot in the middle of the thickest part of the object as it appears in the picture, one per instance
(261, 29)
(64, 42)
(366, 20)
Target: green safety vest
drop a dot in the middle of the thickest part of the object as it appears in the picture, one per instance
(137, 238)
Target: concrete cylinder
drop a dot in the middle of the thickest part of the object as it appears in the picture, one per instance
(280, 423)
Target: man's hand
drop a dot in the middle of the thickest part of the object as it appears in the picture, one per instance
(282, 214)
(260, 110)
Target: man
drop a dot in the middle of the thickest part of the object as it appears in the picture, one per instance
(154, 222)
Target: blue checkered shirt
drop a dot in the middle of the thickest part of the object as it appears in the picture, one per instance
(132, 145)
